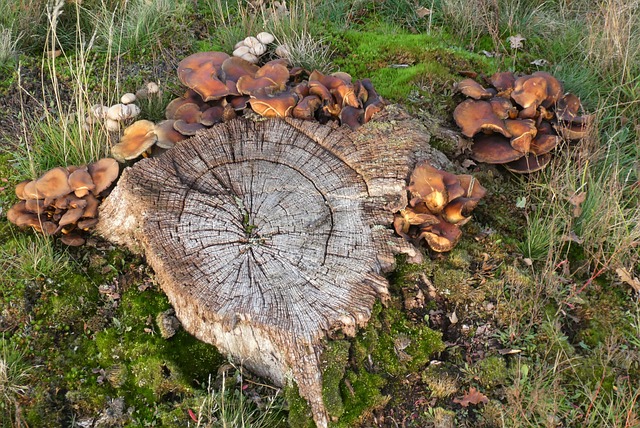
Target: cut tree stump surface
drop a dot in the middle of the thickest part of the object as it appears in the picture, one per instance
(268, 236)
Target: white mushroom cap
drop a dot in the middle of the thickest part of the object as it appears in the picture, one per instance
(90, 119)
(250, 58)
(240, 43)
(99, 111)
(251, 41)
(258, 49)
(152, 88)
(241, 51)
(112, 125)
(265, 38)
(128, 98)
(118, 112)
(134, 110)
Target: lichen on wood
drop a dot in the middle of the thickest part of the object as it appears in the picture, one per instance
(268, 236)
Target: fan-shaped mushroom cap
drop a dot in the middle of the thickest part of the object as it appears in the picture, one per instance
(189, 112)
(345, 77)
(279, 105)
(572, 131)
(30, 192)
(103, 173)
(530, 91)
(567, 107)
(80, 182)
(427, 185)
(503, 108)
(441, 237)
(554, 89)
(494, 149)
(87, 223)
(72, 240)
(472, 187)
(452, 184)
(473, 89)
(339, 88)
(412, 216)
(474, 116)
(307, 107)
(167, 136)
(186, 128)
(522, 133)
(275, 71)
(373, 103)
(174, 105)
(70, 217)
(35, 206)
(212, 115)
(351, 117)
(239, 103)
(200, 73)
(137, 138)
(544, 143)
(234, 68)
(17, 210)
(20, 189)
(458, 211)
(503, 81)
(528, 163)
(91, 207)
(53, 183)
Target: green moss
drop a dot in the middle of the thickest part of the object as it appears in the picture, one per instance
(333, 365)
(491, 371)
(397, 62)
(361, 392)
(299, 409)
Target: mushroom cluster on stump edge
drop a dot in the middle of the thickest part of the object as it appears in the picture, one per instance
(64, 201)
(222, 87)
(439, 203)
(518, 121)
(326, 224)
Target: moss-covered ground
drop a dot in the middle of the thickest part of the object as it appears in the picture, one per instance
(549, 338)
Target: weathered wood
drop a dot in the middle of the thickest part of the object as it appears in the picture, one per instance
(266, 236)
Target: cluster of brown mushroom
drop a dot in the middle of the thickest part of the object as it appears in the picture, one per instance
(221, 87)
(64, 200)
(518, 121)
(439, 203)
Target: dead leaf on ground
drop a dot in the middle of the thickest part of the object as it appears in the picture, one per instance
(516, 41)
(626, 277)
(576, 200)
(540, 62)
(472, 397)
(422, 12)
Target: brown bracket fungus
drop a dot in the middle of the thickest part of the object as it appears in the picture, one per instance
(275, 216)
(439, 203)
(535, 123)
(58, 201)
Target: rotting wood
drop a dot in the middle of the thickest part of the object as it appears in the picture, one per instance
(266, 236)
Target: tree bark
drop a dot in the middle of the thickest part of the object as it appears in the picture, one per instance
(267, 236)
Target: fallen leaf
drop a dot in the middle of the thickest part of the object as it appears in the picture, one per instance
(521, 202)
(192, 415)
(516, 41)
(527, 261)
(472, 397)
(541, 62)
(422, 12)
(573, 238)
(576, 200)
(487, 53)
(626, 277)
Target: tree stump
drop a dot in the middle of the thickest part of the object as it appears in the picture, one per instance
(268, 236)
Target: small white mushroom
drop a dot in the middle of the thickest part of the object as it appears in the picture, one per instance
(112, 125)
(134, 111)
(241, 51)
(99, 111)
(251, 41)
(258, 49)
(240, 43)
(250, 58)
(152, 88)
(118, 112)
(90, 119)
(265, 38)
(283, 51)
(128, 98)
